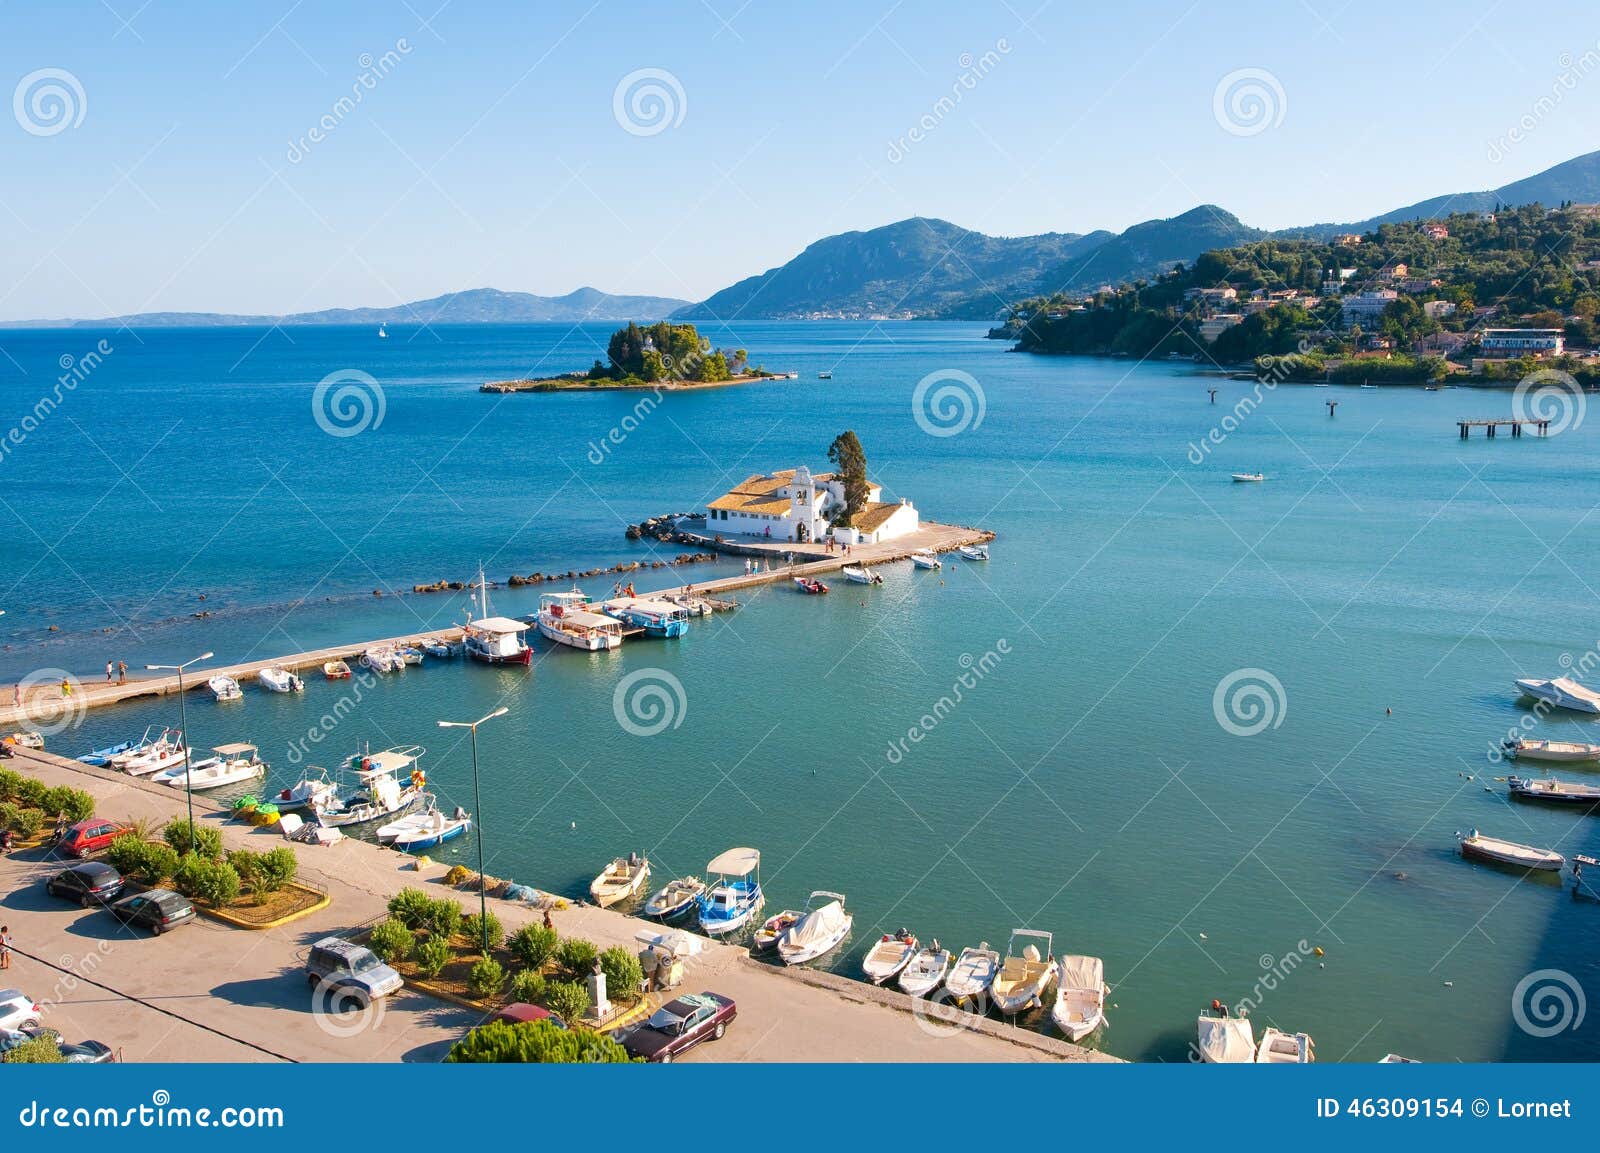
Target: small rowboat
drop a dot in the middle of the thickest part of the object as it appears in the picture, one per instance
(774, 927)
(974, 551)
(924, 558)
(810, 587)
(1550, 789)
(621, 879)
(1563, 751)
(1475, 844)
(926, 971)
(1249, 477)
(890, 955)
(674, 899)
(336, 671)
(224, 688)
(861, 575)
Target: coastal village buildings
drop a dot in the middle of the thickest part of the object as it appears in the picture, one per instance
(1365, 307)
(798, 505)
(1522, 342)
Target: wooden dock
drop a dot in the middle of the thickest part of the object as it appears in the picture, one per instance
(809, 560)
(1466, 426)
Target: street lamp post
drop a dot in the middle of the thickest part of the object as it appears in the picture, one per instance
(183, 727)
(477, 816)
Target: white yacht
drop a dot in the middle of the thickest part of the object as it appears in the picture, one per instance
(567, 619)
(1564, 693)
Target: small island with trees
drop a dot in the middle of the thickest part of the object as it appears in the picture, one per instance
(658, 357)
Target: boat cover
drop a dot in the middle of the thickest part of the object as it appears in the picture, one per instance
(736, 863)
(672, 941)
(498, 625)
(819, 927)
(1083, 973)
(1574, 689)
(1227, 1040)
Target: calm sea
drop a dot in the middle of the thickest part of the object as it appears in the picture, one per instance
(1374, 599)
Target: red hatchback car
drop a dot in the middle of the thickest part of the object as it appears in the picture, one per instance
(91, 836)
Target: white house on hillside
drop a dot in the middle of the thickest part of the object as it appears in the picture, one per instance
(798, 505)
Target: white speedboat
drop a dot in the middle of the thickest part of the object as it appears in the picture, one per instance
(1564, 693)
(278, 680)
(621, 879)
(151, 739)
(381, 792)
(974, 551)
(730, 901)
(1249, 477)
(425, 828)
(860, 574)
(1280, 1048)
(567, 619)
(1566, 752)
(674, 899)
(383, 659)
(824, 925)
(925, 558)
(1226, 1041)
(311, 791)
(1080, 1006)
(1550, 789)
(973, 973)
(224, 688)
(884, 960)
(229, 765)
(1025, 974)
(925, 972)
(163, 755)
(1475, 844)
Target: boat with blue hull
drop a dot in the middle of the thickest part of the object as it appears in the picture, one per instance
(656, 618)
(735, 896)
(102, 757)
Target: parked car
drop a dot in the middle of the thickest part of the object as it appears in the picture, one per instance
(680, 1025)
(89, 883)
(335, 963)
(81, 1053)
(155, 909)
(18, 1010)
(91, 836)
(522, 1013)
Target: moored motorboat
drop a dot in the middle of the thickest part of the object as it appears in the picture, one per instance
(770, 931)
(674, 899)
(1280, 1048)
(1564, 752)
(224, 688)
(1249, 477)
(860, 574)
(1475, 844)
(159, 757)
(229, 765)
(810, 586)
(1026, 973)
(1080, 1006)
(166, 738)
(495, 640)
(383, 659)
(1225, 1041)
(656, 618)
(619, 880)
(336, 671)
(892, 953)
(926, 970)
(731, 900)
(442, 650)
(410, 654)
(425, 828)
(974, 551)
(1550, 789)
(567, 619)
(381, 792)
(925, 558)
(312, 790)
(280, 680)
(126, 749)
(824, 925)
(973, 972)
(1563, 692)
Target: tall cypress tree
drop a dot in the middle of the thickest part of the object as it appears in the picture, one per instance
(851, 460)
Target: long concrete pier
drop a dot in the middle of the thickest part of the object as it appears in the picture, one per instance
(810, 560)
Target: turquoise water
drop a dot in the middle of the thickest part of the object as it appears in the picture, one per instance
(1082, 784)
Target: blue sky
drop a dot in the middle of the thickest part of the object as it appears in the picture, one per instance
(488, 151)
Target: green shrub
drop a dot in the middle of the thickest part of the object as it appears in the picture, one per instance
(536, 1043)
(533, 945)
(443, 918)
(28, 822)
(211, 882)
(142, 860)
(473, 930)
(487, 977)
(624, 974)
(526, 986)
(8, 814)
(264, 873)
(391, 940)
(575, 958)
(30, 793)
(566, 999)
(74, 804)
(410, 907)
(36, 1051)
(432, 956)
(201, 839)
(10, 782)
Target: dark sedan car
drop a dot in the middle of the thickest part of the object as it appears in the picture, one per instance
(157, 910)
(680, 1025)
(91, 883)
(80, 1053)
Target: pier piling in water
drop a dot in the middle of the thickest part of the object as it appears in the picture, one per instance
(1465, 427)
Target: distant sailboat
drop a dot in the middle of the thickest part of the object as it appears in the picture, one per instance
(383, 333)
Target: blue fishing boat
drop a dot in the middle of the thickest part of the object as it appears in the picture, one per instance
(103, 756)
(656, 618)
(424, 829)
(735, 896)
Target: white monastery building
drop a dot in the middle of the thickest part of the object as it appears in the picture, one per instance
(798, 505)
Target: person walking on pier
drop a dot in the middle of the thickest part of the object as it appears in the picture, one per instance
(122, 672)
(5, 946)
(110, 671)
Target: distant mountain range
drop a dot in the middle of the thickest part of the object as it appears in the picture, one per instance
(477, 306)
(920, 267)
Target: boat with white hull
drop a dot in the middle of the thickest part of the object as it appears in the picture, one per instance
(383, 659)
(278, 680)
(1564, 693)
(974, 551)
(382, 791)
(229, 765)
(925, 558)
(567, 619)
(496, 640)
(224, 688)
(1226, 1041)
(819, 931)
(424, 829)
(860, 574)
(1561, 752)
(147, 744)
(1026, 973)
(310, 791)
(735, 896)
(1080, 1006)
(1475, 844)
(164, 755)
(1550, 789)
(1280, 1048)
(891, 954)
(974, 972)
(926, 971)
(621, 879)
